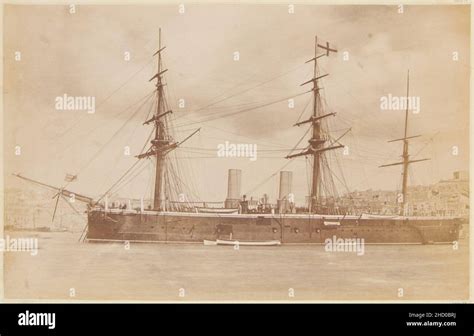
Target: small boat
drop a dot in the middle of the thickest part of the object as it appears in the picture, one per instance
(242, 242)
(210, 242)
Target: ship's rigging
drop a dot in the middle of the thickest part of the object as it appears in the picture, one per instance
(323, 192)
(169, 182)
(162, 143)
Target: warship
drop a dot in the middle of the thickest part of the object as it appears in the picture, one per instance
(173, 219)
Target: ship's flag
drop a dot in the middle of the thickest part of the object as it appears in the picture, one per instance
(70, 178)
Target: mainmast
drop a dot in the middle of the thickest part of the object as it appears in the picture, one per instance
(316, 143)
(405, 156)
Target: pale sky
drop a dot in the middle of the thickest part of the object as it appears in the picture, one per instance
(82, 54)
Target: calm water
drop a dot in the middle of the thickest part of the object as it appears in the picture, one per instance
(164, 272)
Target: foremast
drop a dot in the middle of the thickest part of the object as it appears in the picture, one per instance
(317, 141)
(162, 143)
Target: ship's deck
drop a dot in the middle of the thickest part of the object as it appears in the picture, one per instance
(266, 215)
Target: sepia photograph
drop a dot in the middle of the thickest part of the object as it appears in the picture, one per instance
(236, 152)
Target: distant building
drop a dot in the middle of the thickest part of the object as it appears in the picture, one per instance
(444, 198)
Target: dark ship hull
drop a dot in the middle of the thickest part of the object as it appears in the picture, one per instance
(153, 226)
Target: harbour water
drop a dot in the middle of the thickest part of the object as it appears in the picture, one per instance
(65, 269)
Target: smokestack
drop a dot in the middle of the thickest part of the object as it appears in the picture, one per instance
(233, 189)
(286, 178)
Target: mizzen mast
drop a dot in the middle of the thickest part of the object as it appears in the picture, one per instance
(405, 155)
(316, 144)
